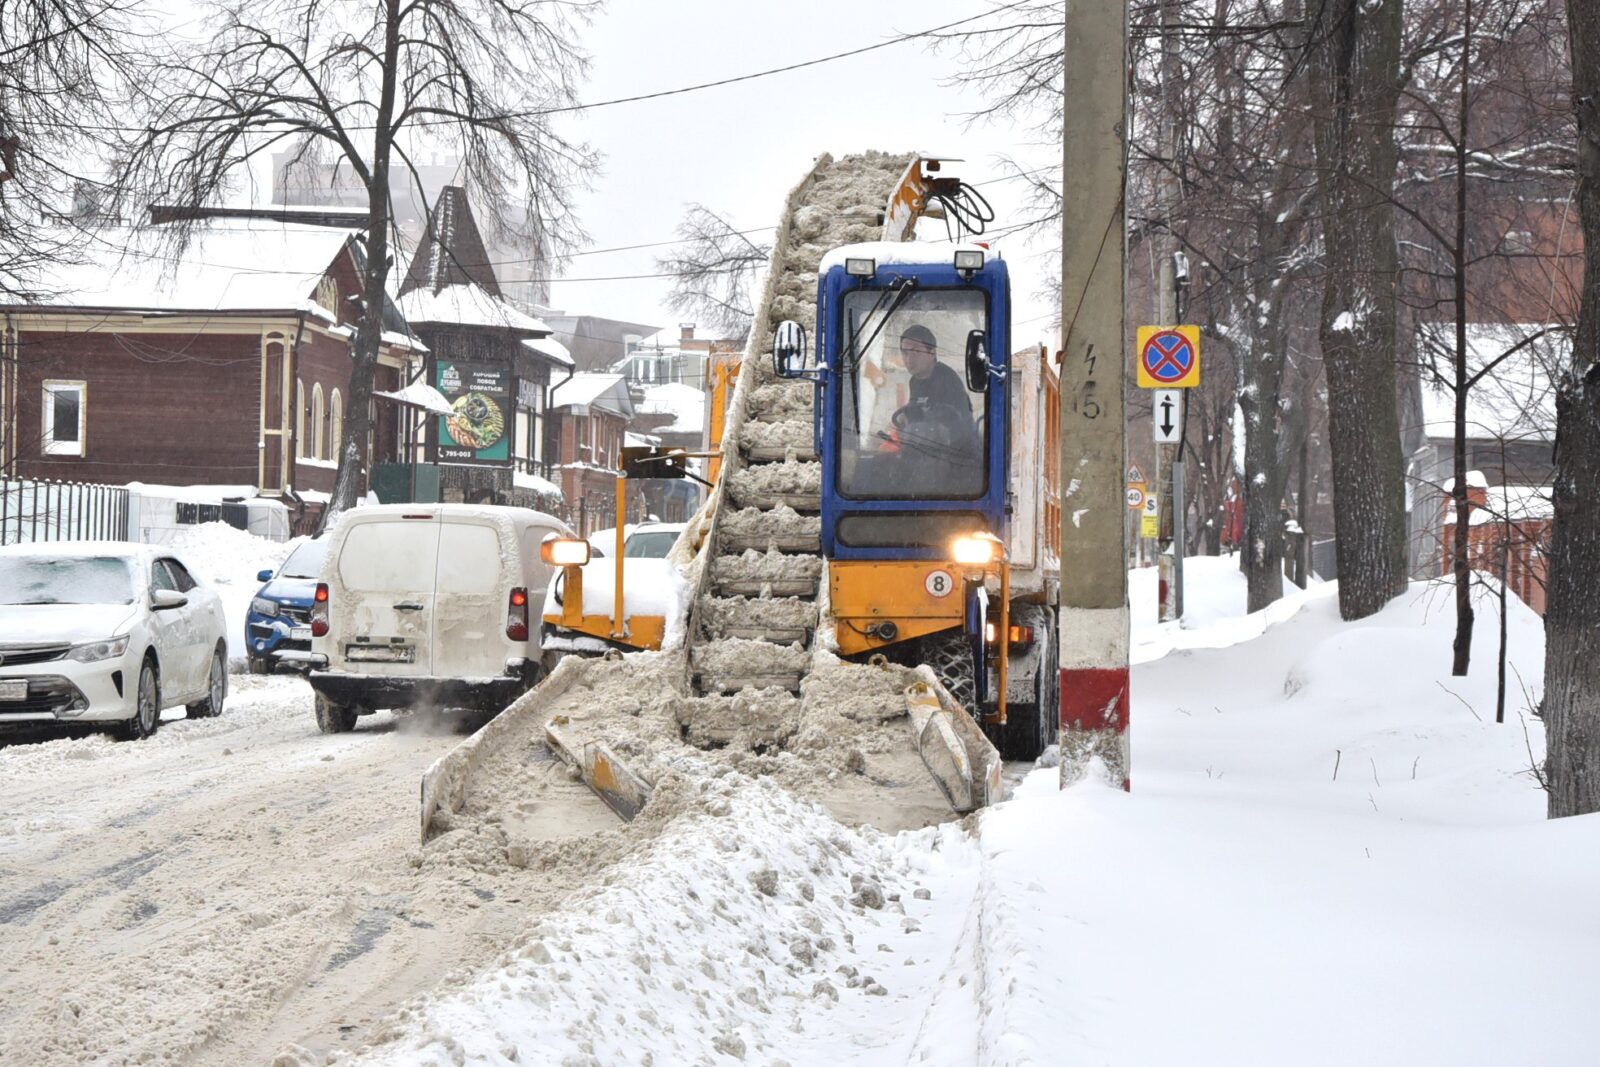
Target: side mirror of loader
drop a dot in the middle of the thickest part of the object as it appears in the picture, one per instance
(789, 349)
(978, 366)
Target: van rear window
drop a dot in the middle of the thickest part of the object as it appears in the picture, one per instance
(469, 559)
(389, 557)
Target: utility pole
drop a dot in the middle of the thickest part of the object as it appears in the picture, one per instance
(1094, 575)
(1170, 456)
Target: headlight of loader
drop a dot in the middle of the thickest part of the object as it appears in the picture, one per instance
(564, 551)
(94, 651)
(975, 550)
(262, 606)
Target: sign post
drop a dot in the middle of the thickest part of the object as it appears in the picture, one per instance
(1168, 360)
(1093, 639)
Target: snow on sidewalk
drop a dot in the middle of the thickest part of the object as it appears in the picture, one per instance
(1244, 904)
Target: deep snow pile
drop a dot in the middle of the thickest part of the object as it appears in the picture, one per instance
(1245, 904)
(228, 559)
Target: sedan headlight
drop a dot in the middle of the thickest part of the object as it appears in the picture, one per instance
(262, 606)
(94, 651)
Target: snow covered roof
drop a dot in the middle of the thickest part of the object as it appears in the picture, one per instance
(902, 253)
(542, 486)
(420, 395)
(229, 265)
(608, 392)
(1514, 401)
(685, 403)
(466, 305)
(550, 349)
(640, 440)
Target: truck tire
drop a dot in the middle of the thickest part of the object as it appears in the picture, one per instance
(950, 656)
(334, 718)
(1031, 728)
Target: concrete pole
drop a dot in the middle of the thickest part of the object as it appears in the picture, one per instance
(1094, 576)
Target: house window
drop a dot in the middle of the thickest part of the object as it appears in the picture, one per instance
(328, 295)
(63, 412)
(336, 421)
(317, 415)
(299, 419)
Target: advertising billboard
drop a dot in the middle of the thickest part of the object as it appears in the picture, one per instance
(479, 431)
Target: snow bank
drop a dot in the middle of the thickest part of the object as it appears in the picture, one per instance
(1331, 854)
(228, 559)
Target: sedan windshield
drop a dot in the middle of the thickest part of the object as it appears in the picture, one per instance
(305, 561)
(83, 580)
(650, 544)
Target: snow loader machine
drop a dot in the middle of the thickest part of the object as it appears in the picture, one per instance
(867, 602)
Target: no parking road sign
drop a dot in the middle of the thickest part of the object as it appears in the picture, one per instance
(1169, 357)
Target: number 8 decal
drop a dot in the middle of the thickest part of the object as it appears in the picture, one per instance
(939, 583)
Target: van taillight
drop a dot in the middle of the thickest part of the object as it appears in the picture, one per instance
(319, 611)
(517, 615)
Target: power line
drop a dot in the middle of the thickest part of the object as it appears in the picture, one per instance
(657, 95)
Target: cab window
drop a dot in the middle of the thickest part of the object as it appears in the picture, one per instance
(909, 427)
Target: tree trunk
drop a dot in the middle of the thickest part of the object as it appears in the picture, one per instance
(1571, 705)
(1355, 85)
(1462, 648)
(355, 457)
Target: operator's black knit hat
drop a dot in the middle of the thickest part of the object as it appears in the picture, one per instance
(920, 333)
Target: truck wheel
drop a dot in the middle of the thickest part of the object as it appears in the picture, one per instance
(1031, 728)
(334, 718)
(950, 656)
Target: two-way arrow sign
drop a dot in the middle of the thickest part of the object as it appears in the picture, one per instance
(1166, 417)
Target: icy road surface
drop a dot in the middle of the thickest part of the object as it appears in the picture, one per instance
(229, 887)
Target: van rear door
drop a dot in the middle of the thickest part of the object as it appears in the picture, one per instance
(470, 593)
(383, 609)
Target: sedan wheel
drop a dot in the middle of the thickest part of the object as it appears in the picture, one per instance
(216, 689)
(147, 709)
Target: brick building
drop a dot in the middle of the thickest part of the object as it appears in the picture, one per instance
(1508, 529)
(590, 421)
(229, 365)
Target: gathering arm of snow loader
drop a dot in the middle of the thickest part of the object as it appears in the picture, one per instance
(832, 621)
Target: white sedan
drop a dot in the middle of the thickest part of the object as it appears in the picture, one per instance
(106, 633)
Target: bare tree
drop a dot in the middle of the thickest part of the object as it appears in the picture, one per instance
(372, 86)
(64, 64)
(714, 268)
(1572, 613)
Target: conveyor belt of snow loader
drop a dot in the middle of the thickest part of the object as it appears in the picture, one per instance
(752, 685)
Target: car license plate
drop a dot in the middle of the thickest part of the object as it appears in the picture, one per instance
(14, 689)
(300, 633)
(381, 653)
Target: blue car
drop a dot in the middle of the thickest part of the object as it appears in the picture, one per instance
(277, 629)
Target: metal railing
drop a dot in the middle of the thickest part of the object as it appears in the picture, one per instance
(45, 510)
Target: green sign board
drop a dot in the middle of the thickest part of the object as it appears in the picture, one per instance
(480, 429)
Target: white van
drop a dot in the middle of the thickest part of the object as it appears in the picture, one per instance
(428, 604)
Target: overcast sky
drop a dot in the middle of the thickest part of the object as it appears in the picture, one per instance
(740, 148)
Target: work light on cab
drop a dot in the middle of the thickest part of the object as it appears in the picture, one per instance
(969, 261)
(564, 551)
(860, 268)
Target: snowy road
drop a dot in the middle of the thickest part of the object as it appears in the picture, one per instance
(225, 889)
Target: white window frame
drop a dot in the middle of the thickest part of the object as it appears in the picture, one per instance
(47, 417)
